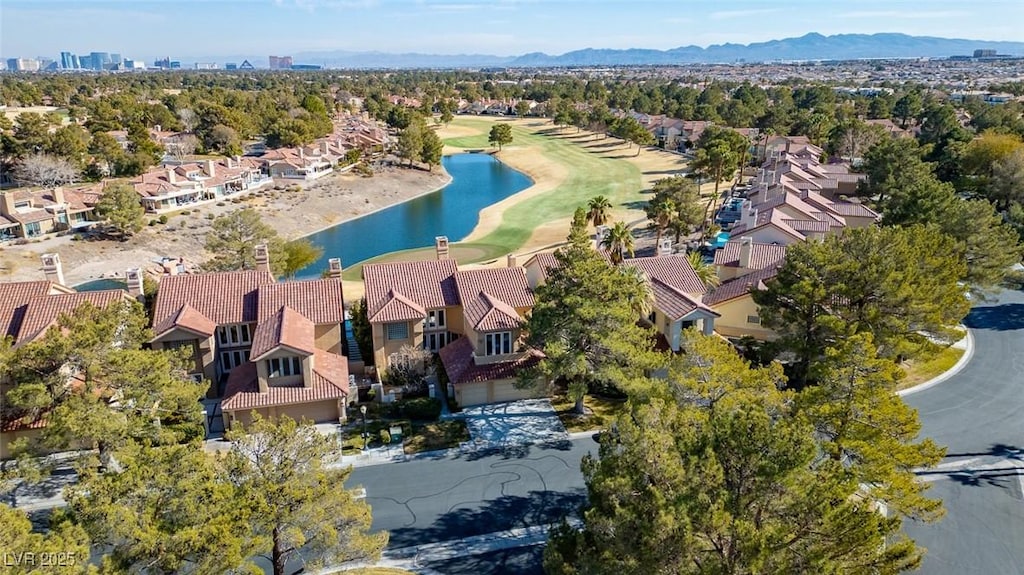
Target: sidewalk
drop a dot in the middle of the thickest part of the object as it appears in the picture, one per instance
(966, 344)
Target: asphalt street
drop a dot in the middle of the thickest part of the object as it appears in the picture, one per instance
(979, 415)
(457, 496)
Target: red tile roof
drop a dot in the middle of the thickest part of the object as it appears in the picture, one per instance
(320, 300)
(761, 255)
(460, 367)
(14, 297)
(286, 328)
(740, 286)
(674, 270)
(673, 302)
(223, 297)
(190, 319)
(397, 307)
(545, 261)
(429, 284)
(330, 381)
(489, 297)
(42, 311)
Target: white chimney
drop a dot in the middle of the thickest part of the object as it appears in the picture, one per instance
(334, 268)
(211, 168)
(599, 235)
(58, 196)
(52, 268)
(746, 245)
(665, 247)
(511, 260)
(133, 277)
(441, 247)
(170, 175)
(262, 258)
(325, 148)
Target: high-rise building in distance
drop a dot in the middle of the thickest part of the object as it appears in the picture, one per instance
(280, 62)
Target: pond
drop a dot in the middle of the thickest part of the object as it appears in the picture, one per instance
(478, 180)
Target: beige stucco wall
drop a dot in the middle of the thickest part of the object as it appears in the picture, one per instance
(383, 348)
(328, 337)
(733, 322)
(204, 354)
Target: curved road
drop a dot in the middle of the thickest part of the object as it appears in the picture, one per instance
(979, 415)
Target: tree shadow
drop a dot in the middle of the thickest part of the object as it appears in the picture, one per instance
(517, 561)
(501, 514)
(1003, 317)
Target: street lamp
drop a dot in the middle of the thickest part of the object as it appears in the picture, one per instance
(366, 437)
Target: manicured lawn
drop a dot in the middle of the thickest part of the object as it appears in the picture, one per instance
(921, 371)
(437, 435)
(469, 142)
(588, 175)
(601, 412)
(352, 440)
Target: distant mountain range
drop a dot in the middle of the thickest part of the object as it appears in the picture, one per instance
(808, 47)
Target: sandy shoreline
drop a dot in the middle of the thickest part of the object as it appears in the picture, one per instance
(316, 206)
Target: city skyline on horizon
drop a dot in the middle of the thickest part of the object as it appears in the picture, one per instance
(149, 30)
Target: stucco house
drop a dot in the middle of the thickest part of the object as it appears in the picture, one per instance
(27, 310)
(269, 347)
(678, 294)
(743, 266)
(473, 319)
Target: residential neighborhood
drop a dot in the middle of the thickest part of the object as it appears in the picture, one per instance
(397, 305)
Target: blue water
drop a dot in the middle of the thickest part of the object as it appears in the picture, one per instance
(100, 285)
(478, 180)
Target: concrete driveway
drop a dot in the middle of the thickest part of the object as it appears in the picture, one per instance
(515, 423)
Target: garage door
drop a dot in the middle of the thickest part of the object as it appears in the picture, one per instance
(506, 391)
(470, 394)
(320, 412)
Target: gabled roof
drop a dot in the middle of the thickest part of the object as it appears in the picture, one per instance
(14, 298)
(490, 297)
(329, 381)
(673, 270)
(675, 303)
(545, 261)
(222, 297)
(189, 318)
(741, 286)
(286, 328)
(500, 316)
(761, 255)
(460, 366)
(428, 284)
(44, 310)
(397, 307)
(320, 300)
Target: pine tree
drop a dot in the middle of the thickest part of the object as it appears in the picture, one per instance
(294, 501)
(585, 321)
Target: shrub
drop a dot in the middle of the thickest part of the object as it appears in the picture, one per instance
(221, 204)
(426, 408)
(385, 436)
(152, 222)
(163, 218)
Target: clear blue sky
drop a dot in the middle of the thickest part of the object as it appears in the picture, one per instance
(144, 29)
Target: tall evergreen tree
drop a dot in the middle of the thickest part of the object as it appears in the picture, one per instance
(585, 322)
(297, 505)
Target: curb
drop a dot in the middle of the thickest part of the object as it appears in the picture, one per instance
(959, 365)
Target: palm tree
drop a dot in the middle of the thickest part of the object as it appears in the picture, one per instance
(640, 298)
(662, 213)
(618, 242)
(705, 271)
(598, 210)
